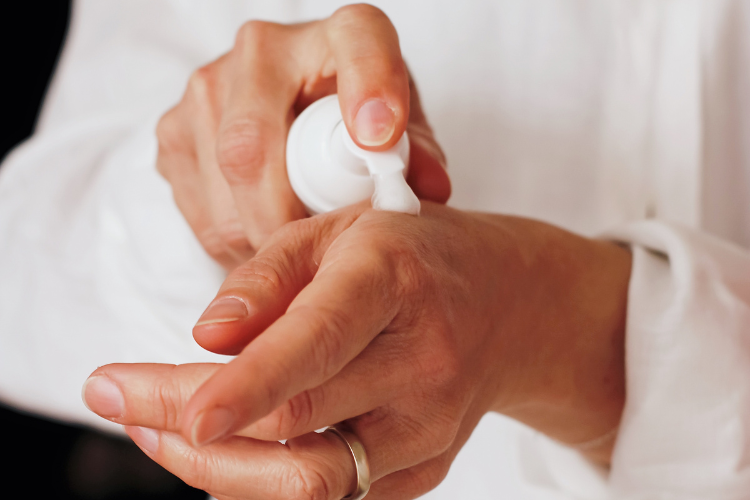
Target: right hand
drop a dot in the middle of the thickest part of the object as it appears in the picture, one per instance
(222, 148)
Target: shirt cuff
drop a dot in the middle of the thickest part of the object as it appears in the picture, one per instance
(684, 429)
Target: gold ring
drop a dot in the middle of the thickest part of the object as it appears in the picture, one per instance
(360, 460)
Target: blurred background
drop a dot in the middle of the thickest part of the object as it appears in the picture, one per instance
(45, 459)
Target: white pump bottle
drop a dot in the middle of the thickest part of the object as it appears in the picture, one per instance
(327, 170)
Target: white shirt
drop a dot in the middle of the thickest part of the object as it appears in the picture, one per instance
(629, 119)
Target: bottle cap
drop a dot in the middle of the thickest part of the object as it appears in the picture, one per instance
(327, 170)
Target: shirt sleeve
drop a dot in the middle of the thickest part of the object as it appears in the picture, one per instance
(684, 429)
(97, 265)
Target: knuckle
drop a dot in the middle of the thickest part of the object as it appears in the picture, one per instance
(445, 433)
(256, 39)
(169, 399)
(310, 484)
(297, 234)
(200, 468)
(295, 416)
(403, 259)
(432, 434)
(240, 150)
(379, 254)
(358, 12)
(439, 368)
(379, 265)
(383, 270)
(254, 32)
(264, 272)
(167, 408)
(201, 82)
(430, 476)
(169, 134)
(410, 268)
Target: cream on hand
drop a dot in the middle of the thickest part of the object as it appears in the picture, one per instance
(327, 170)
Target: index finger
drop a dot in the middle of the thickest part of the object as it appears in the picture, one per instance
(350, 301)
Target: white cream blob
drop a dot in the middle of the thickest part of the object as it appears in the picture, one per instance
(392, 193)
(388, 171)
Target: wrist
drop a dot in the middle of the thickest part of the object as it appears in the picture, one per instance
(562, 335)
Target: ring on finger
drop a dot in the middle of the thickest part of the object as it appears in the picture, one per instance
(360, 460)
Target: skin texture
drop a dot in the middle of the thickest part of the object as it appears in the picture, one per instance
(222, 147)
(408, 328)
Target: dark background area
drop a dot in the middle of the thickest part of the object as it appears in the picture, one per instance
(31, 35)
(41, 458)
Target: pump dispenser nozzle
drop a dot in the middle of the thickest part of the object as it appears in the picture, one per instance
(327, 170)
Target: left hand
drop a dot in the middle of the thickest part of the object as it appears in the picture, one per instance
(222, 147)
(408, 328)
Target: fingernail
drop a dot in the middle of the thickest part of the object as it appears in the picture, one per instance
(223, 311)
(212, 425)
(102, 396)
(374, 123)
(147, 439)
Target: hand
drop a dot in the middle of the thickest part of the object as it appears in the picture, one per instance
(222, 148)
(409, 328)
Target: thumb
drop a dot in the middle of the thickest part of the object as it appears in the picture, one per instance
(372, 80)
